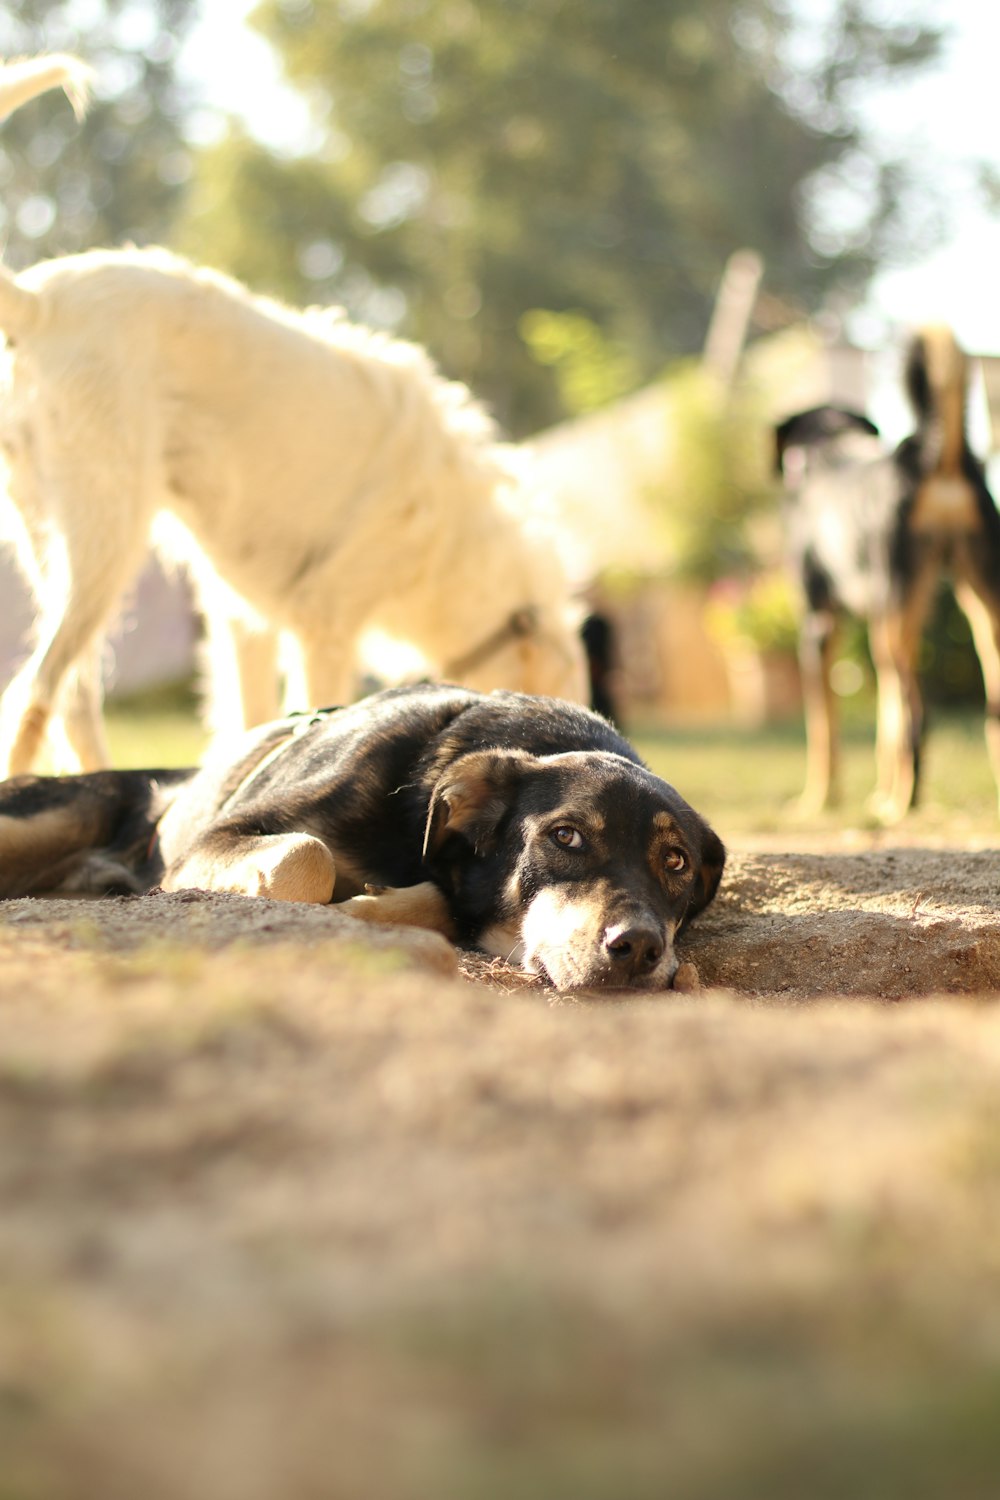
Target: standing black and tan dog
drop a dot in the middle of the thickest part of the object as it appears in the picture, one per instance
(526, 827)
(873, 533)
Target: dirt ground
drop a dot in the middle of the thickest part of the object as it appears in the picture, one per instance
(289, 1208)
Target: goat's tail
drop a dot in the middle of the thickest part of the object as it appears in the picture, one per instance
(20, 82)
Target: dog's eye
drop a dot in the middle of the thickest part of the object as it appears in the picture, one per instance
(566, 837)
(675, 860)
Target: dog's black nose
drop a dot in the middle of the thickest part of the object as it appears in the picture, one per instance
(634, 950)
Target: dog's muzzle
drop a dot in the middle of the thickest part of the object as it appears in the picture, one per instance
(633, 953)
(634, 950)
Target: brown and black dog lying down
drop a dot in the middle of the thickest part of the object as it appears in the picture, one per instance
(524, 827)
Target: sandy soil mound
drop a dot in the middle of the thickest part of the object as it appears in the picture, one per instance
(888, 923)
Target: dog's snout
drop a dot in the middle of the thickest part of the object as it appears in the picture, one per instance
(634, 950)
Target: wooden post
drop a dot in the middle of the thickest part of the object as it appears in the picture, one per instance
(734, 304)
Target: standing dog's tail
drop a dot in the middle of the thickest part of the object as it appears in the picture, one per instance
(19, 82)
(936, 376)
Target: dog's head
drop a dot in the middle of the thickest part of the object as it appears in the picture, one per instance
(836, 432)
(582, 867)
(537, 651)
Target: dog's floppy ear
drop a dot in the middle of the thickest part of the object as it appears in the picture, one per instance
(471, 798)
(817, 425)
(713, 862)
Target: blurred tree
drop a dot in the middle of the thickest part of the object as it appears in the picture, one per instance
(67, 185)
(481, 160)
(590, 370)
(719, 476)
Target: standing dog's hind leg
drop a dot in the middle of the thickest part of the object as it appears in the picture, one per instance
(80, 716)
(92, 544)
(327, 663)
(980, 603)
(895, 644)
(33, 697)
(817, 641)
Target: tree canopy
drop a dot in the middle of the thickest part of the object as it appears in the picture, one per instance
(545, 192)
(498, 177)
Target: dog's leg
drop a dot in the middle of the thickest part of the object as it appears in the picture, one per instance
(422, 905)
(258, 670)
(40, 690)
(283, 866)
(80, 716)
(327, 665)
(239, 671)
(94, 549)
(41, 837)
(298, 867)
(817, 642)
(890, 730)
(979, 597)
(895, 644)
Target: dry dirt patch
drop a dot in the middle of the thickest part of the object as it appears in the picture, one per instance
(888, 923)
(283, 1213)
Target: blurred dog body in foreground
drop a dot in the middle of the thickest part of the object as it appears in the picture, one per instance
(873, 533)
(328, 478)
(525, 827)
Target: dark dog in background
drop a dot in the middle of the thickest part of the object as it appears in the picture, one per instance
(525, 827)
(873, 533)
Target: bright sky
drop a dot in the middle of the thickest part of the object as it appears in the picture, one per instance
(238, 74)
(947, 117)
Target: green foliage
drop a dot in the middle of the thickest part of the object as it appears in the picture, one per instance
(481, 159)
(761, 612)
(159, 726)
(949, 669)
(591, 371)
(116, 176)
(718, 476)
(280, 199)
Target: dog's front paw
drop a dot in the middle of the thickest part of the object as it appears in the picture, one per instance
(421, 905)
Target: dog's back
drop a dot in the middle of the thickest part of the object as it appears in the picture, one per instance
(944, 477)
(843, 496)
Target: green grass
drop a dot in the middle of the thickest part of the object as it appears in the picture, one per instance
(157, 727)
(747, 781)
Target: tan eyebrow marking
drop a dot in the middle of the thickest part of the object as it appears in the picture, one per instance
(585, 817)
